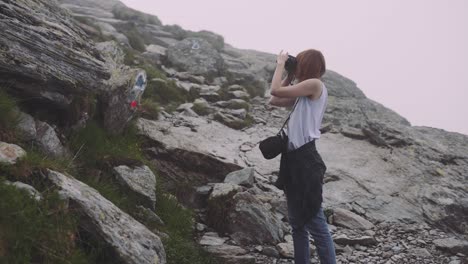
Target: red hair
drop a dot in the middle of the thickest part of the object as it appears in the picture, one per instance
(310, 64)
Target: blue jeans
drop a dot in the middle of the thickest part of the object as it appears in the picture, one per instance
(318, 228)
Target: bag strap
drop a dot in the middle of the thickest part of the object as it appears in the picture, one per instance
(287, 119)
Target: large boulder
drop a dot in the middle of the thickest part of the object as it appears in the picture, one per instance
(43, 50)
(124, 89)
(131, 241)
(47, 57)
(196, 56)
(120, 101)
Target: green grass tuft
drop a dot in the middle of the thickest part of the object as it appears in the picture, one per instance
(180, 246)
(93, 145)
(8, 117)
(150, 109)
(36, 232)
(34, 161)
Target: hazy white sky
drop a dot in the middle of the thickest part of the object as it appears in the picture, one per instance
(409, 55)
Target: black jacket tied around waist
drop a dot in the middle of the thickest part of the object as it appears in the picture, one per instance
(301, 177)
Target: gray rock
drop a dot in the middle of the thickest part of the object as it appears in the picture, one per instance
(243, 177)
(210, 96)
(239, 95)
(204, 190)
(126, 85)
(188, 86)
(109, 30)
(48, 141)
(220, 81)
(240, 113)
(105, 5)
(112, 52)
(452, 245)
(156, 49)
(340, 86)
(363, 240)
(224, 249)
(249, 66)
(234, 104)
(185, 76)
(419, 252)
(196, 56)
(270, 251)
(131, 241)
(56, 98)
(353, 133)
(221, 103)
(350, 220)
(286, 250)
(189, 112)
(230, 120)
(201, 154)
(184, 106)
(140, 180)
(201, 227)
(149, 215)
(212, 239)
(166, 42)
(236, 87)
(253, 221)
(27, 126)
(10, 153)
(28, 188)
(91, 12)
(223, 189)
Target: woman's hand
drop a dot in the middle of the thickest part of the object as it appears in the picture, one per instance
(282, 58)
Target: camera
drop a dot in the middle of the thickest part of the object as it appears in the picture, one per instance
(290, 64)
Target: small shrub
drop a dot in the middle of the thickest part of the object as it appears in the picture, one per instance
(201, 109)
(130, 56)
(150, 109)
(152, 72)
(165, 93)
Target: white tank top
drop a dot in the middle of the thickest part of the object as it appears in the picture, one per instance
(306, 120)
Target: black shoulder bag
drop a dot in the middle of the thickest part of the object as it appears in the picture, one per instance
(274, 145)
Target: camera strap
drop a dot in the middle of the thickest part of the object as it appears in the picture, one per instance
(287, 119)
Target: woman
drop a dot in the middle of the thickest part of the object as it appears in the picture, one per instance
(302, 169)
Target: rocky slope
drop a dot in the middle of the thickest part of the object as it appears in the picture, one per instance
(394, 193)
